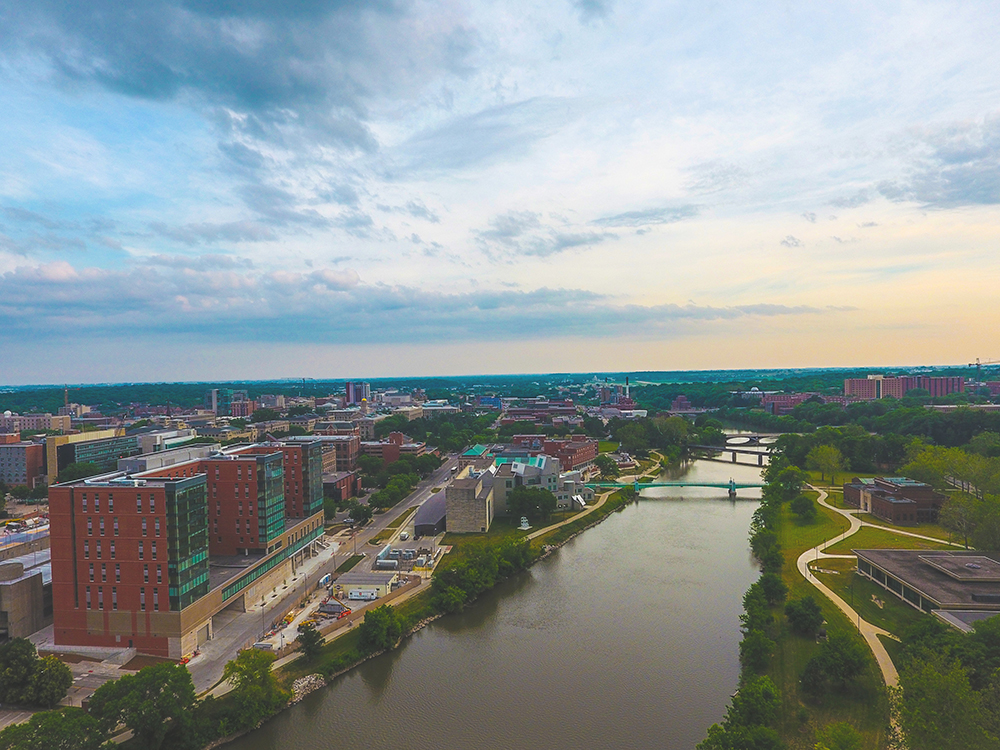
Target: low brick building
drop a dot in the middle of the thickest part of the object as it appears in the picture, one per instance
(898, 500)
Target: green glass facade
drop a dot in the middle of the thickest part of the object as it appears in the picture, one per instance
(105, 452)
(312, 478)
(187, 540)
(270, 499)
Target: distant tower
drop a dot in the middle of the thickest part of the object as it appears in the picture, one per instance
(626, 388)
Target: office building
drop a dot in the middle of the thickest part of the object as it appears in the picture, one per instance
(357, 392)
(22, 463)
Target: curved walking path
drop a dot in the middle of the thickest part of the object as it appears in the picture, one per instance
(868, 631)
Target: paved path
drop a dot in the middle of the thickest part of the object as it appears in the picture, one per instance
(868, 631)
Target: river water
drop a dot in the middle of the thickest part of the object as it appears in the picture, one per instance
(626, 637)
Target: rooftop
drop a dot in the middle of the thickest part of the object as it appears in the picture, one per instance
(943, 576)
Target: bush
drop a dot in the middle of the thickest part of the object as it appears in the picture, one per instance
(804, 616)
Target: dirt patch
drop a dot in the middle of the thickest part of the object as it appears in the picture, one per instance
(138, 662)
(68, 658)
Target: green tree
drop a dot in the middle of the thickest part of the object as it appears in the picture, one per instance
(827, 459)
(50, 681)
(839, 736)
(960, 515)
(255, 688)
(939, 710)
(533, 502)
(804, 615)
(370, 465)
(360, 512)
(66, 729)
(264, 415)
(804, 508)
(17, 666)
(774, 588)
(78, 471)
(380, 630)
(145, 702)
(842, 658)
(756, 650)
(310, 641)
(608, 466)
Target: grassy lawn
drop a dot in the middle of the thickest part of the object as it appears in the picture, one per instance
(927, 529)
(388, 530)
(350, 563)
(336, 655)
(607, 446)
(865, 705)
(869, 538)
(894, 615)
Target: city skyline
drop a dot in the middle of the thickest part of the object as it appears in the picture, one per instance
(251, 192)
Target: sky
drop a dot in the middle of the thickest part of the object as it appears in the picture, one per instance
(231, 189)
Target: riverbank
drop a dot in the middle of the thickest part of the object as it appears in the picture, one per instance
(342, 655)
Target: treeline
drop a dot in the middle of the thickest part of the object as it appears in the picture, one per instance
(448, 433)
(27, 680)
(478, 568)
(669, 435)
(159, 706)
(949, 694)
(754, 717)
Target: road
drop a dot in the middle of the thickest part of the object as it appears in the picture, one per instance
(233, 630)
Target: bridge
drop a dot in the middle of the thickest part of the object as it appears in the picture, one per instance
(752, 438)
(743, 451)
(731, 485)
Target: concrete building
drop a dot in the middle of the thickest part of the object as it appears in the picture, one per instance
(148, 462)
(469, 502)
(103, 447)
(367, 584)
(155, 439)
(22, 463)
(960, 587)
(25, 595)
(897, 500)
(12, 422)
(357, 392)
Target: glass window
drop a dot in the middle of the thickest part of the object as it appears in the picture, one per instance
(88, 597)
(159, 574)
(145, 574)
(92, 572)
(111, 503)
(112, 549)
(114, 598)
(140, 550)
(100, 522)
(144, 527)
(90, 527)
(156, 525)
(97, 503)
(100, 597)
(115, 522)
(152, 503)
(104, 573)
(86, 549)
(156, 600)
(138, 503)
(98, 550)
(154, 550)
(118, 573)
(83, 502)
(142, 599)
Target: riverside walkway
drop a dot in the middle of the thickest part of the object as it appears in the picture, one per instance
(868, 631)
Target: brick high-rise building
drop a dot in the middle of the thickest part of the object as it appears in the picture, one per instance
(879, 386)
(303, 474)
(129, 561)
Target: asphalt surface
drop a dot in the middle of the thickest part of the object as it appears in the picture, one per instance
(234, 630)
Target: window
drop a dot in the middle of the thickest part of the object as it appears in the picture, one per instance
(86, 549)
(112, 549)
(215, 490)
(138, 503)
(97, 503)
(100, 597)
(218, 507)
(98, 550)
(111, 503)
(114, 598)
(140, 550)
(237, 526)
(142, 599)
(104, 573)
(144, 527)
(154, 550)
(90, 526)
(88, 597)
(100, 522)
(145, 574)
(156, 600)
(159, 574)
(118, 573)
(92, 572)
(83, 502)
(216, 473)
(241, 507)
(152, 503)
(248, 525)
(250, 505)
(239, 472)
(156, 525)
(115, 523)
(246, 491)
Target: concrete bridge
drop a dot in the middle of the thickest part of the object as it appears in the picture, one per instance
(734, 451)
(731, 485)
(751, 438)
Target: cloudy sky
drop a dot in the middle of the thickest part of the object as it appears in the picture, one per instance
(247, 188)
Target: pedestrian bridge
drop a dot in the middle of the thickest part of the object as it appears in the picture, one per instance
(642, 485)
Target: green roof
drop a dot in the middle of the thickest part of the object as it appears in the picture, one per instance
(476, 450)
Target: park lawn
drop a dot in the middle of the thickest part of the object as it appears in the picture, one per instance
(391, 528)
(927, 529)
(501, 529)
(338, 654)
(607, 446)
(894, 615)
(871, 538)
(796, 537)
(865, 706)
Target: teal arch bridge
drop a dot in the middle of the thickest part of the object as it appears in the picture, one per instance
(732, 485)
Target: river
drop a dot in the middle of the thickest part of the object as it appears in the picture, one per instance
(626, 637)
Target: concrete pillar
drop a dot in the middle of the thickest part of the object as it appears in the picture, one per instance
(734, 456)
(760, 460)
